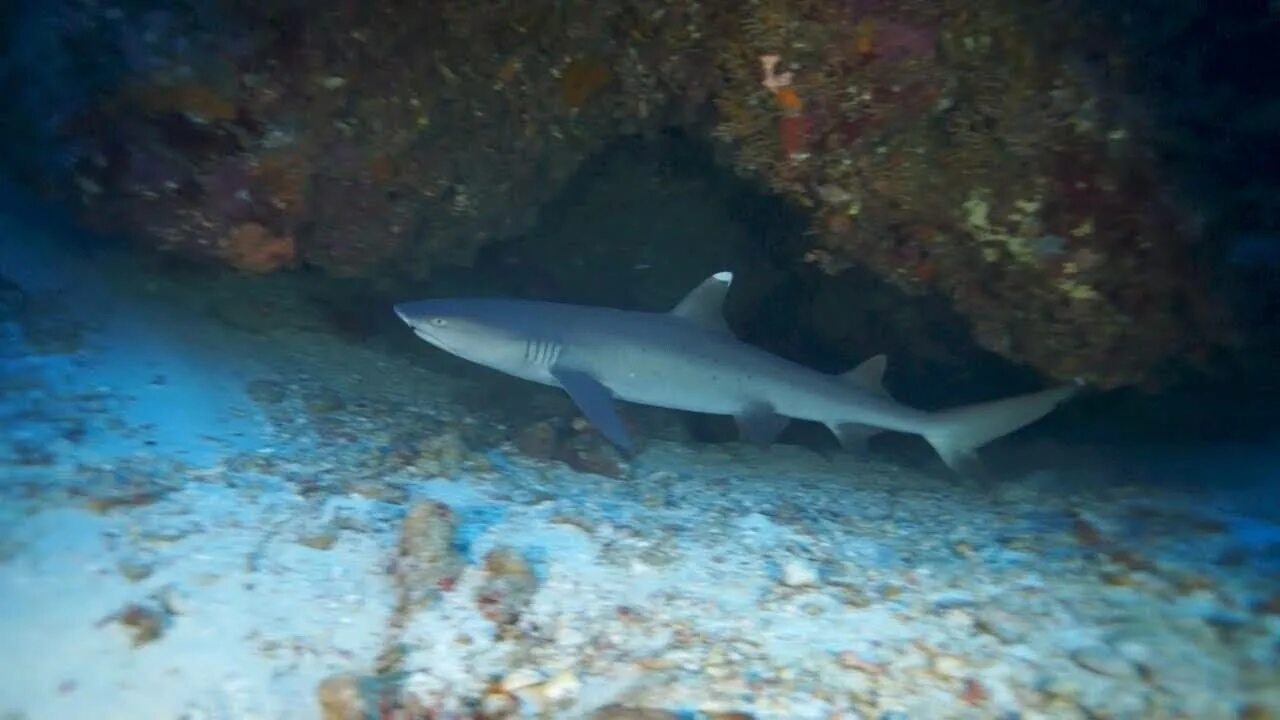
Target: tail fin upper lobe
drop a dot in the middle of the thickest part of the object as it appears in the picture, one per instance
(955, 434)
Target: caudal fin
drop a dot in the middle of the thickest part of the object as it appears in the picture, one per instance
(956, 434)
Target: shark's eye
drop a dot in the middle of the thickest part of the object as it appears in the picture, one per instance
(439, 322)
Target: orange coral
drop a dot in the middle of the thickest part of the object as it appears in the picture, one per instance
(582, 80)
(926, 271)
(382, 168)
(252, 248)
(864, 38)
(508, 71)
(789, 100)
(793, 134)
(284, 176)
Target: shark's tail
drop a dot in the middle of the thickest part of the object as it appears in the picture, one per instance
(957, 433)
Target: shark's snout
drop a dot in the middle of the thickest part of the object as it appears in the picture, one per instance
(402, 311)
(418, 319)
(416, 313)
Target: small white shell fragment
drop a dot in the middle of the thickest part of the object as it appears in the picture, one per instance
(562, 687)
(521, 678)
(798, 574)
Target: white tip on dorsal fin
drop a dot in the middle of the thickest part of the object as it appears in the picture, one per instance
(869, 375)
(704, 305)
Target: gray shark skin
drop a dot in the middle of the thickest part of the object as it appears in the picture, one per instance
(688, 359)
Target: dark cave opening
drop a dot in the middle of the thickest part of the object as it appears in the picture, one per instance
(646, 219)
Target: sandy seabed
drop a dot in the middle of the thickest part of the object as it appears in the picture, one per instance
(199, 522)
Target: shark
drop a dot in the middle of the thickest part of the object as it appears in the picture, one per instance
(689, 359)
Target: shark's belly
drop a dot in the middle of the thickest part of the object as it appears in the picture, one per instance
(692, 386)
(703, 397)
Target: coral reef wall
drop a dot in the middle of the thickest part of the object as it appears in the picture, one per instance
(977, 150)
(961, 148)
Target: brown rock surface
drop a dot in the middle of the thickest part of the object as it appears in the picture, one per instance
(959, 149)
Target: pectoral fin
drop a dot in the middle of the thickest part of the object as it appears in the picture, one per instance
(759, 424)
(596, 403)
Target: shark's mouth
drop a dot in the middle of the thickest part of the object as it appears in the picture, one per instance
(428, 337)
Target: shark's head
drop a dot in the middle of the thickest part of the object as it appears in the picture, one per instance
(482, 331)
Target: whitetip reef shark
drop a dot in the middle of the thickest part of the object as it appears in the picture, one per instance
(688, 359)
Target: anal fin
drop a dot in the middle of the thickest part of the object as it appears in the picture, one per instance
(596, 403)
(854, 436)
(759, 424)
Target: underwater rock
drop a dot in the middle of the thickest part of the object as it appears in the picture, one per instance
(145, 621)
(539, 440)
(1002, 177)
(441, 452)
(589, 452)
(136, 568)
(538, 692)
(907, 180)
(508, 586)
(428, 560)
(575, 444)
(340, 698)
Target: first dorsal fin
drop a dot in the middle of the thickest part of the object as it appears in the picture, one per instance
(869, 375)
(704, 305)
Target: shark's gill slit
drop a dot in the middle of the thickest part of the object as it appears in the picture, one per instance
(542, 353)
